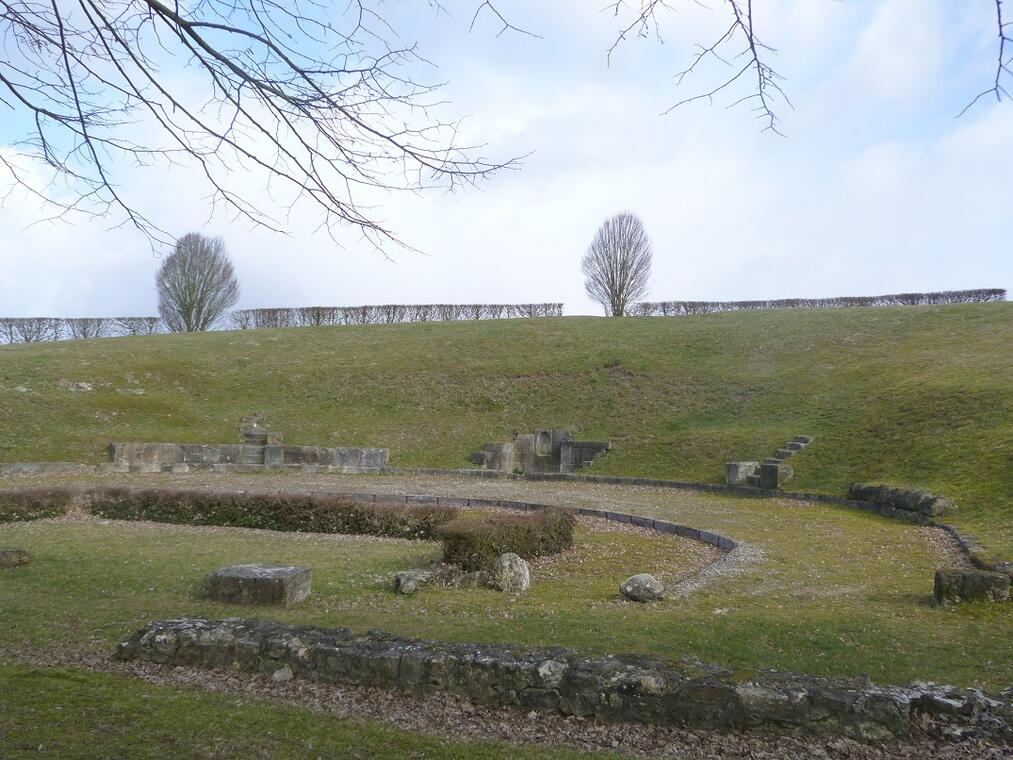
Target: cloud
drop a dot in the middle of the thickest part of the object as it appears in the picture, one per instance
(876, 189)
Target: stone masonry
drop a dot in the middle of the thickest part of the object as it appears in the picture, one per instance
(259, 584)
(630, 688)
(541, 451)
(259, 449)
(771, 472)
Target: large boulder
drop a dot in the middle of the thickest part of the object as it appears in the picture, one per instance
(642, 588)
(964, 585)
(14, 557)
(510, 573)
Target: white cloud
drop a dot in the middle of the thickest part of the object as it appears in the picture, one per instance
(873, 190)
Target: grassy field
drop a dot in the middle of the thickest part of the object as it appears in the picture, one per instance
(840, 592)
(912, 395)
(70, 713)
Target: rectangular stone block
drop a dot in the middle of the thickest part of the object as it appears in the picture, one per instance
(785, 453)
(274, 456)
(772, 475)
(258, 584)
(499, 456)
(795, 445)
(737, 472)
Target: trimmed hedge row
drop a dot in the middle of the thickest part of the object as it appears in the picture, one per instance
(682, 308)
(475, 543)
(309, 316)
(22, 504)
(306, 514)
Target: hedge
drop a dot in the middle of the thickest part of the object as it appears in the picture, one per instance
(21, 504)
(307, 514)
(682, 308)
(474, 543)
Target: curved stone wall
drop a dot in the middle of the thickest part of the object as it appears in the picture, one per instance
(631, 688)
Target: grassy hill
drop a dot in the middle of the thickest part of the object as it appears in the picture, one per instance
(911, 395)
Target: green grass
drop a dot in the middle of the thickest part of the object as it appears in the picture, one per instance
(840, 592)
(71, 713)
(911, 395)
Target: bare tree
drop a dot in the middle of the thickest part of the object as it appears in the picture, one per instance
(83, 328)
(617, 264)
(196, 284)
(138, 325)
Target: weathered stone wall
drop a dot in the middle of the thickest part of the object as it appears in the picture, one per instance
(159, 457)
(628, 688)
(907, 499)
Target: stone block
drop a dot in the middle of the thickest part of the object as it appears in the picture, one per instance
(274, 456)
(274, 438)
(499, 456)
(737, 472)
(253, 430)
(805, 440)
(911, 499)
(771, 476)
(785, 453)
(14, 557)
(259, 584)
(477, 457)
(957, 585)
(795, 445)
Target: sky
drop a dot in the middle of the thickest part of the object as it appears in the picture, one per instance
(877, 186)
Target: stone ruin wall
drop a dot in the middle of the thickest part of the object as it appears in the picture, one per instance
(630, 688)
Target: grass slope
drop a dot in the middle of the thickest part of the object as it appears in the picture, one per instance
(910, 395)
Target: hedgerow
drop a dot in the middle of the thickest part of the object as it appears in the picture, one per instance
(474, 543)
(284, 512)
(21, 504)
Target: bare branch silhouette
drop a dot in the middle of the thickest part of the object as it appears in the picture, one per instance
(319, 105)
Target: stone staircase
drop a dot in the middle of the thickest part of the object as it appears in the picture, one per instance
(771, 472)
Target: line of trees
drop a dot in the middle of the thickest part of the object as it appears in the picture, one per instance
(310, 316)
(39, 329)
(682, 308)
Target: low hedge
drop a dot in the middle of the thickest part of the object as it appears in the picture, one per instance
(306, 514)
(20, 504)
(474, 543)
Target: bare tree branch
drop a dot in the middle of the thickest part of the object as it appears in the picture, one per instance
(318, 106)
(1004, 63)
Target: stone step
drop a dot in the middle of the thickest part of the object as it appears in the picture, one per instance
(773, 460)
(795, 445)
(753, 481)
(805, 440)
(252, 455)
(784, 453)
